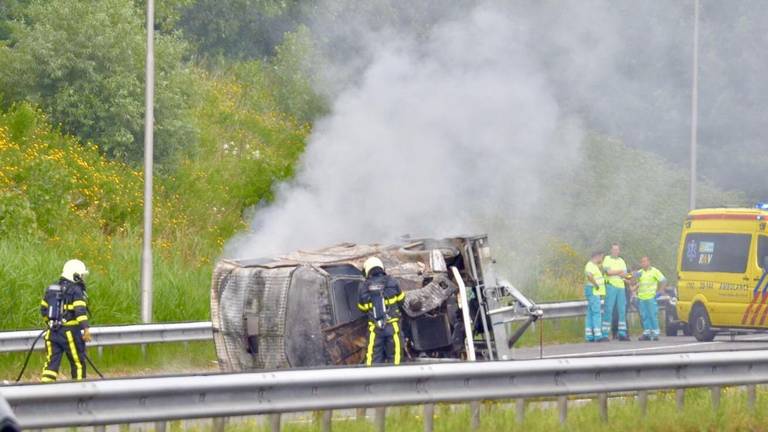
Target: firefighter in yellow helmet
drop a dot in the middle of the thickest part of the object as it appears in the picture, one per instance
(65, 310)
(380, 298)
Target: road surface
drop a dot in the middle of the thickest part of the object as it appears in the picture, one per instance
(666, 345)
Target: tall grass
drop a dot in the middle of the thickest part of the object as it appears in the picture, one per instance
(30, 265)
(181, 294)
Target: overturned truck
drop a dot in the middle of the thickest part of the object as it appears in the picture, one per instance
(299, 310)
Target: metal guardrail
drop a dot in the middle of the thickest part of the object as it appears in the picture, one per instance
(219, 395)
(17, 341)
(556, 310)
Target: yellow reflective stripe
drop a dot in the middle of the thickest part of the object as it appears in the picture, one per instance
(43, 303)
(77, 303)
(46, 379)
(393, 320)
(371, 339)
(69, 307)
(50, 374)
(75, 355)
(72, 323)
(395, 299)
(82, 318)
(364, 307)
(49, 354)
(396, 336)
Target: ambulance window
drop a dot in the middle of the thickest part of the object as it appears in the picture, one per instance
(762, 251)
(709, 252)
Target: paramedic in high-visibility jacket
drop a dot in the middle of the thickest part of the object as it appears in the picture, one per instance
(615, 270)
(594, 291)
(65, 312)
(380, 298)
(649, 281)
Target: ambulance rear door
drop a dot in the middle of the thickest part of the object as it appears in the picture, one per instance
(716, 269)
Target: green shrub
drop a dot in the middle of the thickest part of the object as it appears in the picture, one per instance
(83, 63)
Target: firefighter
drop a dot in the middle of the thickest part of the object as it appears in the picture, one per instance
(615, 269)
(65, 312)
(594, 290)
(380, 298)
(649, 281)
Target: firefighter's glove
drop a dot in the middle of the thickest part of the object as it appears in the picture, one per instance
(87, 335)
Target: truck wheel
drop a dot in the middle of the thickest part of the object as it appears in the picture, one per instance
(671, 325)
(670, 328)
(700, 325)
(686, 329)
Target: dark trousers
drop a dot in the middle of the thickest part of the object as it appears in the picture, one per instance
(385, 344)
(64, 340)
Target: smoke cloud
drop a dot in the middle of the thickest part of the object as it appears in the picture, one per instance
(472, 117)
(440, 135)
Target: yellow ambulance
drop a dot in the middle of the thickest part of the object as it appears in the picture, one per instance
(721, 271)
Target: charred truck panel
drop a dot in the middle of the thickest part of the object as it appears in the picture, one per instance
(300, 310)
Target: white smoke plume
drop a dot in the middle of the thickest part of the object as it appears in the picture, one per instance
(445, 131)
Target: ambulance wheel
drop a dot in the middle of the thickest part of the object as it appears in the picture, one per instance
(700, 325)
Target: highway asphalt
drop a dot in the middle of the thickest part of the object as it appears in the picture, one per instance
(666, 345)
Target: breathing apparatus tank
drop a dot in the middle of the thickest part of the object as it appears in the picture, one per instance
(55, 299)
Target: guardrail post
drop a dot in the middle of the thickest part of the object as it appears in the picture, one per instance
(429, 417)
(274, 422)
(474, 408)
(100, 428)
(751, 396)
(603, 401)
(680, 396)
(160, 426)
(325, 422)
(360, 413)
(520, 410)
(562, 404)
(380, 419)
(642, 401)
(218, 424)
(715, 391)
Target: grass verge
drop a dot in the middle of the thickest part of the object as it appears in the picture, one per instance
(733, 414)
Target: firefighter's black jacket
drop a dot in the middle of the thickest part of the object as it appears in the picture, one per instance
(75, 304)
(380, 297)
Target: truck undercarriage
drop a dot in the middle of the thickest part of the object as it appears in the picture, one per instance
(300, 310)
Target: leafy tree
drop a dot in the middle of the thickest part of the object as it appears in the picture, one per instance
(10, 10)
(284, 82)
(83, 63)
(244, 29)
(167, 12)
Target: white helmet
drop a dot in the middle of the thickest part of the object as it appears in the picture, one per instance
(74, 270)
(370, 264)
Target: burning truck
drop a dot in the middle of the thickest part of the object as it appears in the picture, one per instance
(299, 310)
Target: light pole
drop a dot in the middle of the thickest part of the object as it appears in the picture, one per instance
(149, 120)
(694, 106)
